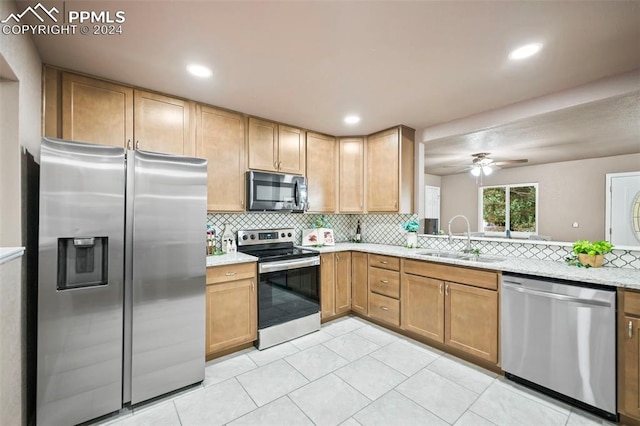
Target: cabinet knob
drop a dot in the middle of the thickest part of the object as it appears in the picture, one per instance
(630, 329)
(230, 274)
(137, 144)
(440, 288)
(384, 281)
(384, 308)
(446, 289)
(395, 204)
(129, 144)
(253, 286)
(384, 262)
(337, 257)
(275, 165)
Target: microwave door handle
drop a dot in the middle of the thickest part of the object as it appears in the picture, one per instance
(295, 193)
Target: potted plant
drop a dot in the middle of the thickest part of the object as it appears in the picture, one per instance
(591, 254)
(412, 233)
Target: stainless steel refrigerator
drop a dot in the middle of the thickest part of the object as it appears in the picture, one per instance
(121, 280)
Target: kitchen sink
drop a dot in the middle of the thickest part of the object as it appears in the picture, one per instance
(459, 256)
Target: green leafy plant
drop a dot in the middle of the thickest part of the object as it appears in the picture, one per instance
(411, 226)
(592, 249)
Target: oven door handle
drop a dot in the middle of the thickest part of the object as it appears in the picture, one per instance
(286, 265)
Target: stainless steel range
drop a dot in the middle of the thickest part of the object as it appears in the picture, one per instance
(289, 285)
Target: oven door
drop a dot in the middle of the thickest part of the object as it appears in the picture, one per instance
(288, 290)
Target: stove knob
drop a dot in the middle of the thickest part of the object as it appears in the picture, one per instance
(282, 235)
(244, 237)
(253, 236)
(289, 235)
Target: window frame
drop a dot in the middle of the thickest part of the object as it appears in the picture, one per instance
(507, 188)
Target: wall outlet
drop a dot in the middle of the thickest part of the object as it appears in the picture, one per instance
(575, 225)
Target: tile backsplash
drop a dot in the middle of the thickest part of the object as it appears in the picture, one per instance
(387, 229)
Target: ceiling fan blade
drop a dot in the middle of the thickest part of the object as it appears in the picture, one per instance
(509, 162)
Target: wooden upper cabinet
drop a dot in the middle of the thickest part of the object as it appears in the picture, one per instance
(95, 111)
(263, 145)
(322, 168)
(275, 148)
(163, 124)
(220, 139)
(390, 166)
(291, 150)
(351, 175)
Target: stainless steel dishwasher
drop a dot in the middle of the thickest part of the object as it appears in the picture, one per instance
(560, 338)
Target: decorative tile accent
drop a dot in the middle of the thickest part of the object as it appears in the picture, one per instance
(387, 229)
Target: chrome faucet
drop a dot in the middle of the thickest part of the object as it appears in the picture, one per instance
(468, 249)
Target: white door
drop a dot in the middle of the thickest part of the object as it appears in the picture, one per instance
(432, 202)
(623, 209)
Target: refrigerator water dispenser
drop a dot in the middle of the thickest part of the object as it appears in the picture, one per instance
(82, 262)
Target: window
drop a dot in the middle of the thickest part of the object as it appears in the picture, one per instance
(509, 207)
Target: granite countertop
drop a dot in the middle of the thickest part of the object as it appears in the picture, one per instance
(230, 259)
(616, 277)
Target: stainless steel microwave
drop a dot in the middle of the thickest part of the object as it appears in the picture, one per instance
(276, 192)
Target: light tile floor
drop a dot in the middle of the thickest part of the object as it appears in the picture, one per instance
(352, 373)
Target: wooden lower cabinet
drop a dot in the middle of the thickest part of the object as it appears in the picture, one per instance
(462, 316)
(384, 308)
(359, 283)
(471, 320)
(335, 284)
(232, 309)
(629, 356)
(423, 306)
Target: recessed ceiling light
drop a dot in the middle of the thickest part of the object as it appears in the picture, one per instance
(352, 119)
(199, 70)
(525, 51)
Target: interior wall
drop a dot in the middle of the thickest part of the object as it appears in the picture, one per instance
(570, 191)
(9, 166)
(432, 180)
(19, 62)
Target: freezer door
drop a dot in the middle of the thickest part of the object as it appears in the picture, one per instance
(169, 211)
(80, 282)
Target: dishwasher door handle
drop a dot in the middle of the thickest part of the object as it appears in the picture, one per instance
(556, 296)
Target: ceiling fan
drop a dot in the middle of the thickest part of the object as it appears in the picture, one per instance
(483, 165)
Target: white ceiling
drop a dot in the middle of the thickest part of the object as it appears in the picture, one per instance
(310, 63)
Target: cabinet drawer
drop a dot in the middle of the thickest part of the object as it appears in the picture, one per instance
(385, 262)
(457, 274)
(384, 308)
(632, 302)
(385, 282)
(226, 273)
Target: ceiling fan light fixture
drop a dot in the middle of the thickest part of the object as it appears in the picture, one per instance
(487, 170)
(475, 171)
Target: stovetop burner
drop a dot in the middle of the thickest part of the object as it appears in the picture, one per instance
(271, 244)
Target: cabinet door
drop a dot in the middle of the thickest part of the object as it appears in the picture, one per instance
(359, 283)
(322, 160)
(291, 150)
(423, 306)
(351, 175)
(383, 171)
(343, 282)
(263, 145)
(231, 314)
(96, 111)
(471, 320)
(162, 124)
(221, 142)
(631, 348)
(327, 285)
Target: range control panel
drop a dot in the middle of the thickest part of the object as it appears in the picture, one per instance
(265, 236)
